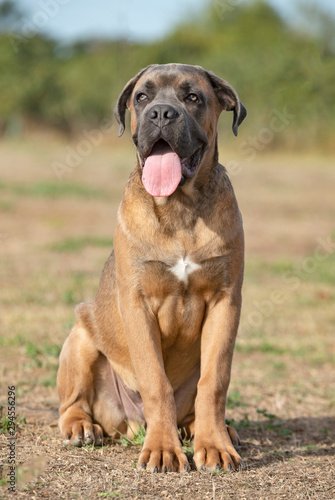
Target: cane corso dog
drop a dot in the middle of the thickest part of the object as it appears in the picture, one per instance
(155, 346)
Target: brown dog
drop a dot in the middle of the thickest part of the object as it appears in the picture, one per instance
(155, 345)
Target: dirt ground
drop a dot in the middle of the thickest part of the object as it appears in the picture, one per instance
(54, 238)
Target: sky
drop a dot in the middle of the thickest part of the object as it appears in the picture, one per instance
(71, 20)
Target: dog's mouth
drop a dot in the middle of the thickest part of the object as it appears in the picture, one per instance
(163, 170)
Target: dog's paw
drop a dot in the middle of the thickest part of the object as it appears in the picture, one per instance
(160, 456)
(83, 433)
(235, 439)
(214, 454)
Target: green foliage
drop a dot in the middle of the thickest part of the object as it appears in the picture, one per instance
(45, 356)
(274, 423)
(137, 439)
(234, 400)
(50, 381)
(53, 190)
(272, 64)
(244, 423)
(110, 493)
(7, 423)
(4, 421)
(263, 346)
(32, 350)
(73, 245)
(271, 423)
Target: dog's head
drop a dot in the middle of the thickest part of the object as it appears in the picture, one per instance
(174, 113)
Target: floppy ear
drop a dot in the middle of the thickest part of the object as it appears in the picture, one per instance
(228, 99)
(121, 105)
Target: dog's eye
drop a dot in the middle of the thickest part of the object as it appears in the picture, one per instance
(193, 98)
(141, 97)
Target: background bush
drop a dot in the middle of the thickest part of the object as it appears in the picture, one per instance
(271, 63)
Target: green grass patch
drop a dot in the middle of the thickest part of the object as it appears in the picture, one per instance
(17, 340)
(234, 400)
(29, 487)
(311, 353)
(220, 472)
(6, 206)
(188, 448)
(324, 272)
(309, 447)
(268, 347)
(73, 245)
(33, 352)
(243, 423)
(273, 423)
(317, 267)
(68, 298)
(282, 431)
(264, 347)
(54, 190)
(280, 267)
(5, 422)
(136, 440)
(41, 355)
(52, 350)
(50, 381)
(110, 494)
(73, 292)
(279, 366)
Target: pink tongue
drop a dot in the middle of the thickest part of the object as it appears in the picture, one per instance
(162, 171)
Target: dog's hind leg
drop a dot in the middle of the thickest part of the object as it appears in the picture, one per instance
(83, 415)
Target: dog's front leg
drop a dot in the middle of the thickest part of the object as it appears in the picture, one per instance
(213, 448)
(162, 449)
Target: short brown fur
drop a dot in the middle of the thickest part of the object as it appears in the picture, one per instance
(156, 330)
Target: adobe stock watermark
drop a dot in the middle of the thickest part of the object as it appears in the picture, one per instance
(48, 9)
(292, 281)
(11, 438)
(278, 122)
(84, 147)
(224, 6)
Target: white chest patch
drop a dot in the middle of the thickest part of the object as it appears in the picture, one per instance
(183, 268)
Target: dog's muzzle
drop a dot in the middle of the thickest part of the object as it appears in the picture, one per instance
(163, 171)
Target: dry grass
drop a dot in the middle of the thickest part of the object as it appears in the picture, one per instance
(53, 243)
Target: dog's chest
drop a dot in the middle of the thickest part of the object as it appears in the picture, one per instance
(183, 268)
(177, 291)
(183, 278)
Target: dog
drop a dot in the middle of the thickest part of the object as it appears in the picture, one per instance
(155, 346)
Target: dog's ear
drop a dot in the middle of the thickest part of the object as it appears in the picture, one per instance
(228, 99)
(121, 105)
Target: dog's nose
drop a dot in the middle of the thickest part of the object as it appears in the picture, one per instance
(162, 114)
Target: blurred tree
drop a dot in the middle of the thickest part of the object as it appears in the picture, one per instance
(10, 16)
(272, 64)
